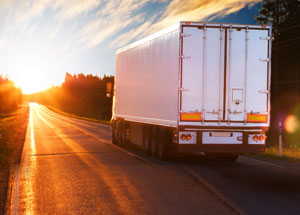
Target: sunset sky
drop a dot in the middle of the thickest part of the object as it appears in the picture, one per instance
(41, 40)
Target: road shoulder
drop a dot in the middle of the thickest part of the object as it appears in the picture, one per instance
(13, 131)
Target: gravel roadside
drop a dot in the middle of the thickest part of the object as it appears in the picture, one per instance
(12, 135)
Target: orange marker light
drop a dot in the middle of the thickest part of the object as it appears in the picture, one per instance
(257, 118)
(188, 137)
(183, 137)
(261, 137)
(190, 116)
(187, 23)
(255, 138)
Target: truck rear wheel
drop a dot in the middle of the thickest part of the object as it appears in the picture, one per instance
(122, 134)
(113, 134)
(153, 143)
(146, 139)
(163, 144)
(118, 131)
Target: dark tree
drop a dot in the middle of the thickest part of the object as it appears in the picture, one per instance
(284, 15)
(83, 95)
(10, 96)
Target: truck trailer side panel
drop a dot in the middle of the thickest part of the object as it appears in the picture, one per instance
(147, 81)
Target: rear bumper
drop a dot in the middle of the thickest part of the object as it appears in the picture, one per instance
(220, 148)
(230, 141)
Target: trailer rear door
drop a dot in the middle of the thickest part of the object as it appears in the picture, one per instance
(247, 73)
(224, 73)
(202, 72)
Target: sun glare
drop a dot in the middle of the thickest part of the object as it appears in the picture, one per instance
(30, 74)
(33, 69)
(291, 124)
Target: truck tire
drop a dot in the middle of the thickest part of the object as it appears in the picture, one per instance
(146, 139)
(153, 141)
(122, 134)
(113, 134)
(163, 144)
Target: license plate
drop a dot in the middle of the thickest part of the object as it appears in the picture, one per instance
(221, 134)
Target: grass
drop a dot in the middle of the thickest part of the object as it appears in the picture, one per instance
(291, 153)
(12, 135)
(106, 122)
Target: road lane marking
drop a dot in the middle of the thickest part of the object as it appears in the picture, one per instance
(72, 153)
(261, 162)
(24, 170)
(212, 189)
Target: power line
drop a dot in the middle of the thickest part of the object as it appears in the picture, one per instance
(288, 28)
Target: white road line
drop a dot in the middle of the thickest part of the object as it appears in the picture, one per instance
(261, 162)
(13, 190)
(212, 189)
(13, 206)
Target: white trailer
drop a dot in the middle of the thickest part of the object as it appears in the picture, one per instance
(195, 87)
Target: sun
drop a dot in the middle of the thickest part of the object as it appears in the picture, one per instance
(33, 69)
(31, 81)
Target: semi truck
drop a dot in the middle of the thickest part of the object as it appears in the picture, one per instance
(195, 87)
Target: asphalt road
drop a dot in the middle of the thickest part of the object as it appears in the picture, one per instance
(69, 166)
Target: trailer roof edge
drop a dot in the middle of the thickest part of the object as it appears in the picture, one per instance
(149, 38)
(177, 26)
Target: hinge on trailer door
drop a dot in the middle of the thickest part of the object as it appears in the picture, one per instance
(213, 112)
(264, 91)
(265, 38)
(185, 35)
(264, 59)
(185, 57)
(235, 112)
(183, 89)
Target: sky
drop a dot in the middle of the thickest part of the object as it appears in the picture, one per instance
(41, 40)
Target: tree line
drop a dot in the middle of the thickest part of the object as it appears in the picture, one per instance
(10, 96)
(284, 15)
(79, 94)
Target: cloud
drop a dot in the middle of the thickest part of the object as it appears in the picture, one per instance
(113, 18)
(71, 9)
(96, 32)
(188, 10)
(25, 11)
(125, 38)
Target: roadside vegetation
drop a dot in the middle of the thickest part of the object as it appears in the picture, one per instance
(80, 95)
(287, 153)
(107, 122)
(13, 125)
(10, 96)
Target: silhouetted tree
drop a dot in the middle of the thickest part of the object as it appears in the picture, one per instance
(10, 96)
(284, 15)
(80, 94)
